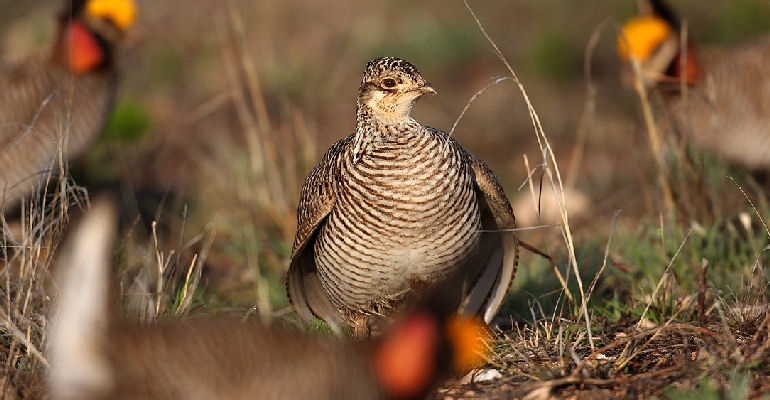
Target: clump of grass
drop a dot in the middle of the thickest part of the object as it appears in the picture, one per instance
(255, 177)
(159, 278)
(28, 251)
(551, 171)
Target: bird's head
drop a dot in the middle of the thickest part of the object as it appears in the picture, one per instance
(641, 37)
(652, 38)
(643, 34)
(389, 88)
(429, 340)
(425, 347)
(88, 31)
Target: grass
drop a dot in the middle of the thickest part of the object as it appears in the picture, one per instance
(28, 255)
(640, 314)
(675, 338)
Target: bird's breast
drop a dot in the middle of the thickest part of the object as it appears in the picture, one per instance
(404, 214)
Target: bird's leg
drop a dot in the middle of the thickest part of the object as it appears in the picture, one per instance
(361, 327)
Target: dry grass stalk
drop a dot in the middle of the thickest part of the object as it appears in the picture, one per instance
(264, 307)
(701, 305)
(547, 154)
(187, 285)
(28, 257)
(161, 264)
(753, 207)
(528, 181)
(623, 361)
(588, 115)
(604, 259)
(269, 178)
(494, 82)
(653, 135)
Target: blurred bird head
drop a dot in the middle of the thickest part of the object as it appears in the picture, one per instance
(641, 36)
(119, 13)
(389, 88)
(652, 38)
(88, 31)
(423, 348)
(430, 341)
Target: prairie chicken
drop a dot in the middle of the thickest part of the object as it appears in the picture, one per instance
(394, 207)
(726, 107)
(59, 101)
(93, 357)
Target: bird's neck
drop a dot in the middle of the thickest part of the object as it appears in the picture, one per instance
(382, 117)
(373, 127)
(682, 68)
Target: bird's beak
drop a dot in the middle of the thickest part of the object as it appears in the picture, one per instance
(427, 89)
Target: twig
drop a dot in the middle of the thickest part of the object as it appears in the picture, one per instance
(606, 254)
(652, 132)
(477, 94)
(589, 109)
(701, 307)
(629, 338)
(767, 231)
(20, 336)
(579, 380)
(556, 271)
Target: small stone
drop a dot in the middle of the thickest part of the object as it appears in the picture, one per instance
(481, 375)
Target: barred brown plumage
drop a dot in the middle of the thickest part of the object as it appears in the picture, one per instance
(57, 101)
(727, 111)
(43, 106)
(393, 208)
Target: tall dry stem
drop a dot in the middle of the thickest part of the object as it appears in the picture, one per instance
(550, 169)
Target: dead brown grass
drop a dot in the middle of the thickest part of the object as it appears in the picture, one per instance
(28, 256)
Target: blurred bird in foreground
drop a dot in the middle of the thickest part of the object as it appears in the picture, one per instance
(718, 97)
(94, 355)
(52, 107)
(393, 208)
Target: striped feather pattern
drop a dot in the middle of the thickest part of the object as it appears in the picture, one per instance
(43, 105)
(394, 208)
(406, 214)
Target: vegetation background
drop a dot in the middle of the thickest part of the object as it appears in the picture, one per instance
(224, 106)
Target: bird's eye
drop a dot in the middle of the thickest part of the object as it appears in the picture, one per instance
(388, 83)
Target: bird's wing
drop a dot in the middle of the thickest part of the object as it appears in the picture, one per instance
(498, 251)
(316, 201)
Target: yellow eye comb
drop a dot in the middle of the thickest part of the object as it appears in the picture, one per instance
(641, 36)
(121, 12)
